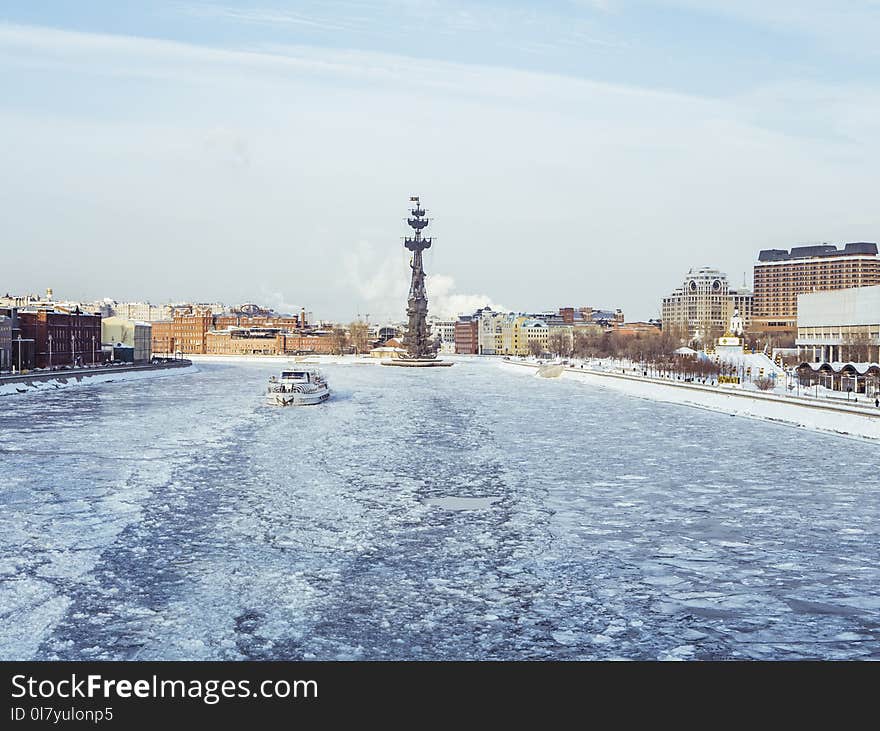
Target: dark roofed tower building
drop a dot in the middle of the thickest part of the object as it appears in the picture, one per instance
(781, 275)
(5, 343)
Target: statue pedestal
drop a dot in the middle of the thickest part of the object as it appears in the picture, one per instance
(417, 363)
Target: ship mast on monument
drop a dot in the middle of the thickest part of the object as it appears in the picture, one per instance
(421, 349)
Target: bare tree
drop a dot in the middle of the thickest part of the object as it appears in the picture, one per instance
(712, 332)
(674, 334)
(359, 333)
(766, 341)
(339, 341)
(764, 383)
(535, 348)
(559, 344)
(709, 332)
(752, 341)
(588, 344)
(580, 344)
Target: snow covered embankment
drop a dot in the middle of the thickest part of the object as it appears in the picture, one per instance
(87, 379)
(752, 404)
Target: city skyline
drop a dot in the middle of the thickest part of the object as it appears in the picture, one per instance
(345, 333)
(576, 153)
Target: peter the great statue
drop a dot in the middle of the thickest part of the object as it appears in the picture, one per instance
(421, 348)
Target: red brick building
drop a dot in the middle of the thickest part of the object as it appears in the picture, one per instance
(266, 341)
(188, 332)
(259, 341)
(162, 337)
(224, 322)
(5, 342)
(62, 338)
(466, 335)
(297, 343)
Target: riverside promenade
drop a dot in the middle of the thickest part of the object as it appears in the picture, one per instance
(855, 419)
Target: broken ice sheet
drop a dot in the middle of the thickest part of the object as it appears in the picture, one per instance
(468, 513)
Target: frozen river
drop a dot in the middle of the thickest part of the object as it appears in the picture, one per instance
(468, 512)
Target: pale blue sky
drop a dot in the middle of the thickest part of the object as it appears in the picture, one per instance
(577, 152)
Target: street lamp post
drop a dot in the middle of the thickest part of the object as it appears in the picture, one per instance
(50, 351)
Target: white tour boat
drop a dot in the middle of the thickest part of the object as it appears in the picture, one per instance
(297, 387)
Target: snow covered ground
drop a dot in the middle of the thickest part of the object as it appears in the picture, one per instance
(69, 379)
(860, 419)
(468, 512)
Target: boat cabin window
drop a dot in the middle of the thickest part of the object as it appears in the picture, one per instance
(297, 375)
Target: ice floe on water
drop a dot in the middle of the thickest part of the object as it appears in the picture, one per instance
(463, 503)
(460, 513)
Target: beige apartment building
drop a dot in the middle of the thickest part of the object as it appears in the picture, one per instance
(132, 333)
(702, 306)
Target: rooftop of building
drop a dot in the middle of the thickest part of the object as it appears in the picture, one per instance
(855, 248)
(731, 292)
(116, 318)
(245, 330)
(52, 309)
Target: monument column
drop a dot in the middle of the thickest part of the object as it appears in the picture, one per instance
(421, 349)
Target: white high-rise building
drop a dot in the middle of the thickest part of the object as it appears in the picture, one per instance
(143, 311)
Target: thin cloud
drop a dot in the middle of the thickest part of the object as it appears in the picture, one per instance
(851, 27)
(265, 17)
(545, 30)
(548, 187)
(102, 53)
